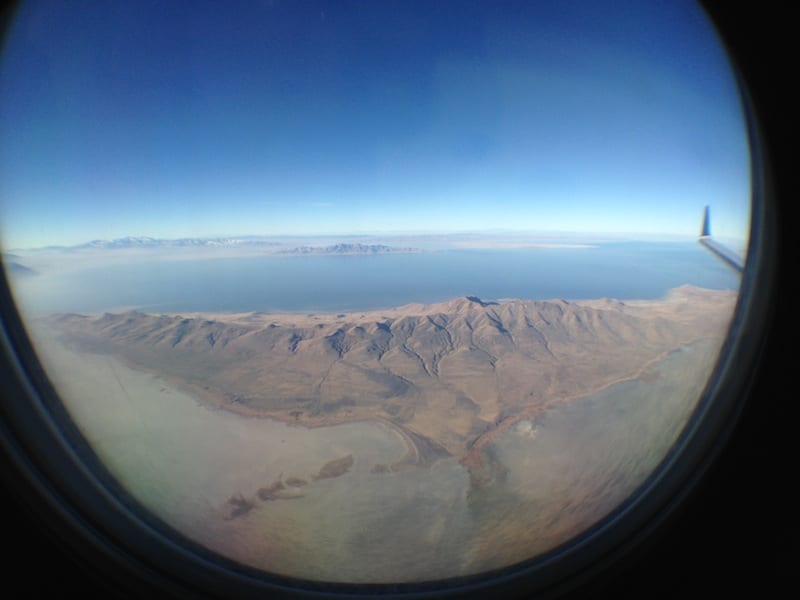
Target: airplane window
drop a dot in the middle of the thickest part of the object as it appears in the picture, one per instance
(326, 295)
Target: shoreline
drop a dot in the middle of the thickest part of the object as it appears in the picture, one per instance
(473, 456)
(424, 444)
(419, 450)
(685, 292)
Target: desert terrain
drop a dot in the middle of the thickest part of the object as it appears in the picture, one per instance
(446, 377)
(406, 444)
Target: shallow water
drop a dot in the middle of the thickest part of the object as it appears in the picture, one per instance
(557, 475)
(581, 460)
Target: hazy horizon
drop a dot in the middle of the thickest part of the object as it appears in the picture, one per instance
(533, 237)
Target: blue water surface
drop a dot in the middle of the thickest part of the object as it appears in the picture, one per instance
(622, 270)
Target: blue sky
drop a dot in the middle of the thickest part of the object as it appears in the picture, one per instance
(177, 119)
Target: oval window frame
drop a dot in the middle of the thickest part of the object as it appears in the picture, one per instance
(58, 475)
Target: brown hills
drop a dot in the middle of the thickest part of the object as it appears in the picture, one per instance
(443, 375)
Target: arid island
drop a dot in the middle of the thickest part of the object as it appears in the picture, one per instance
(447, 377)
(405, 444)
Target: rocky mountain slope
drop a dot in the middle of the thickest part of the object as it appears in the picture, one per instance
(443, 374)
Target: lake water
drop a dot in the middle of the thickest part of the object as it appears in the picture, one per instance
(624, 270)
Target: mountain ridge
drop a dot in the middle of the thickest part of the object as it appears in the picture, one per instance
(446, 372)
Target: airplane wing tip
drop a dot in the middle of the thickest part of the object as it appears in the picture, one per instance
(726, 255)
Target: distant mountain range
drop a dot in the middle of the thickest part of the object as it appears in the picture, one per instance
(270, 245)
(150, 242)
(348, 249)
